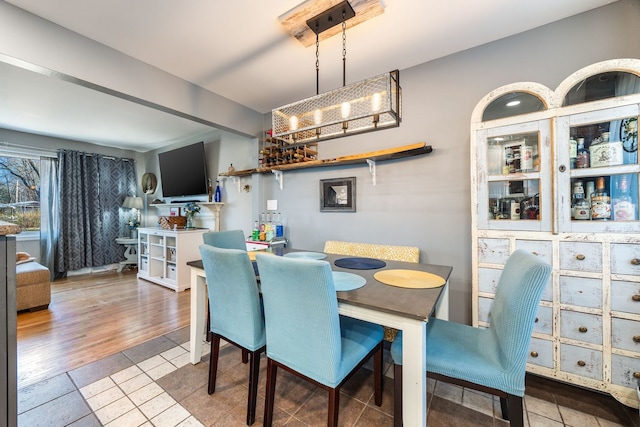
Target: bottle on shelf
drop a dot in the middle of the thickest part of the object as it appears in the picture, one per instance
(583, 159)
(263, 227)
(573, 152)
(218, 194)
(580, 208)
(589, 190)
(210, 190)
(270, 229)
(279, 226)
(255, 233)
(600, 202)
(623, 207)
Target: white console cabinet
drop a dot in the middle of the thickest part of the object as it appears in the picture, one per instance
(531, 190)
(163, 256)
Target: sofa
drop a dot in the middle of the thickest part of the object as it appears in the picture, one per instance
(33, 287)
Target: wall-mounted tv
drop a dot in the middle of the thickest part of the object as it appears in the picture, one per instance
(183, 171)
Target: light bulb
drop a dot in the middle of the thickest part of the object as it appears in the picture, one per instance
(293, 122)
(376, 101)
(345, 110)
(317, 116)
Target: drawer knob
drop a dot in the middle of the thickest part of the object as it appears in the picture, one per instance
(580, 257)
(583, 329)
(581, 363)
(636, 375)
(636, 338)
(636, 298)
(534, 354)
(635, 261)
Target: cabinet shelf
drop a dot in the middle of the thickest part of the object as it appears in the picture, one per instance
(404, 151)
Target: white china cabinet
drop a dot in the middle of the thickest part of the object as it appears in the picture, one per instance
(558, 175)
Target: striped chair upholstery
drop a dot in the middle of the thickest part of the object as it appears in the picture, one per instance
(370, 250)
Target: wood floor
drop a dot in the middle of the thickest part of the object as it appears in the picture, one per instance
(91, 317)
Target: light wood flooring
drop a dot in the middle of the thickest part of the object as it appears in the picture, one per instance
(93, 316)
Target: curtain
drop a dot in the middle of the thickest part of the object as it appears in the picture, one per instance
(92, 189)
(49, 213)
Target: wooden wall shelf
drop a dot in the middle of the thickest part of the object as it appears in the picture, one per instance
(410, 150)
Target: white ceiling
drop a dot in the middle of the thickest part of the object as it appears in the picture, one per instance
(239, 50)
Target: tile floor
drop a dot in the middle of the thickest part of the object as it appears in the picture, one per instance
(154, 384)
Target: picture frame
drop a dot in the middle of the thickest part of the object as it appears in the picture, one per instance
(174, 211)
(338, 195)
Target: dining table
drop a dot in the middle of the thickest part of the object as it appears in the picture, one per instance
(404, 308)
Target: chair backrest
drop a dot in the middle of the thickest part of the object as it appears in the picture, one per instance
(514, 309)
(229, 239)
(301, 315)
(234, 298)
(370, 250)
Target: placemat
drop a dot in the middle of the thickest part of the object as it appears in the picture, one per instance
(252, 254)
(347, 281)
(360, 263)
(409, 279)
(306, 255)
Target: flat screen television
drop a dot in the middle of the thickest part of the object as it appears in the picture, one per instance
(183, 171)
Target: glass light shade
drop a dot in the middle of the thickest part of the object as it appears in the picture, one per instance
(364, 106)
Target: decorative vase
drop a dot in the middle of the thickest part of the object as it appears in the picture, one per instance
(134, 233)
(191, 221)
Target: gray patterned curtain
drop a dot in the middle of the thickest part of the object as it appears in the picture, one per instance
(92, 189)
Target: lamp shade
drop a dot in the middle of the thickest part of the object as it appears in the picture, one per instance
(368, 105)
(132, 202)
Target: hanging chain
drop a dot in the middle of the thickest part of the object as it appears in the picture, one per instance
(317, 63)
(344, 49)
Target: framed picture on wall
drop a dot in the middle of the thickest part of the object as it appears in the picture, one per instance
(174, 211)
(338, 195)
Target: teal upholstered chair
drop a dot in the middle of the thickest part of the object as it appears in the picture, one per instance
(305, 334)
(494, 359)
(236, 312)
(228, 239)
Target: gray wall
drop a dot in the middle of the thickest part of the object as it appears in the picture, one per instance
(424, 201)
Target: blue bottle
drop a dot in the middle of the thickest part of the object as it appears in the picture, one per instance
(218, 193)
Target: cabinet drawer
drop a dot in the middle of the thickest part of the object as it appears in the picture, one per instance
(541, 353)
(493, 251)
(625, 334)
(625, 258)
(488, 279)
(541, 249)
(581, 361)
(581, 256)
(581, 326)
(625, 296)
(544, 320)
(581, 291)
(625, 371)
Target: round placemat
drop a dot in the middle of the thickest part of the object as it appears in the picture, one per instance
(306, 255)
(347, 281)
(409, 279)
(360, 263)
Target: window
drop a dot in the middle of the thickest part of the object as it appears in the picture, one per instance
(20, 191)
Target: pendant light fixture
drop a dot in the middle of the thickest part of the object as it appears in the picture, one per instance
(368, 105)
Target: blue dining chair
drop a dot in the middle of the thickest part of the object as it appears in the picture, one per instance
(228, 239)
(236, 313)
(305, 334)
(493, 359)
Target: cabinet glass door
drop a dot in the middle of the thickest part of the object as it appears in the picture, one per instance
(516, 186)
(598, 165)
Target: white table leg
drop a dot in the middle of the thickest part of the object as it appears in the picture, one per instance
(198, 302)
(414, 377)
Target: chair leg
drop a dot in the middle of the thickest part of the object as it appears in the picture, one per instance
(270, 392)
(377, 374)
(254, 369)
(514, 406)
(334, 406)
(504, 408)
(245, 356)
(213, 363)
(397, 395)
